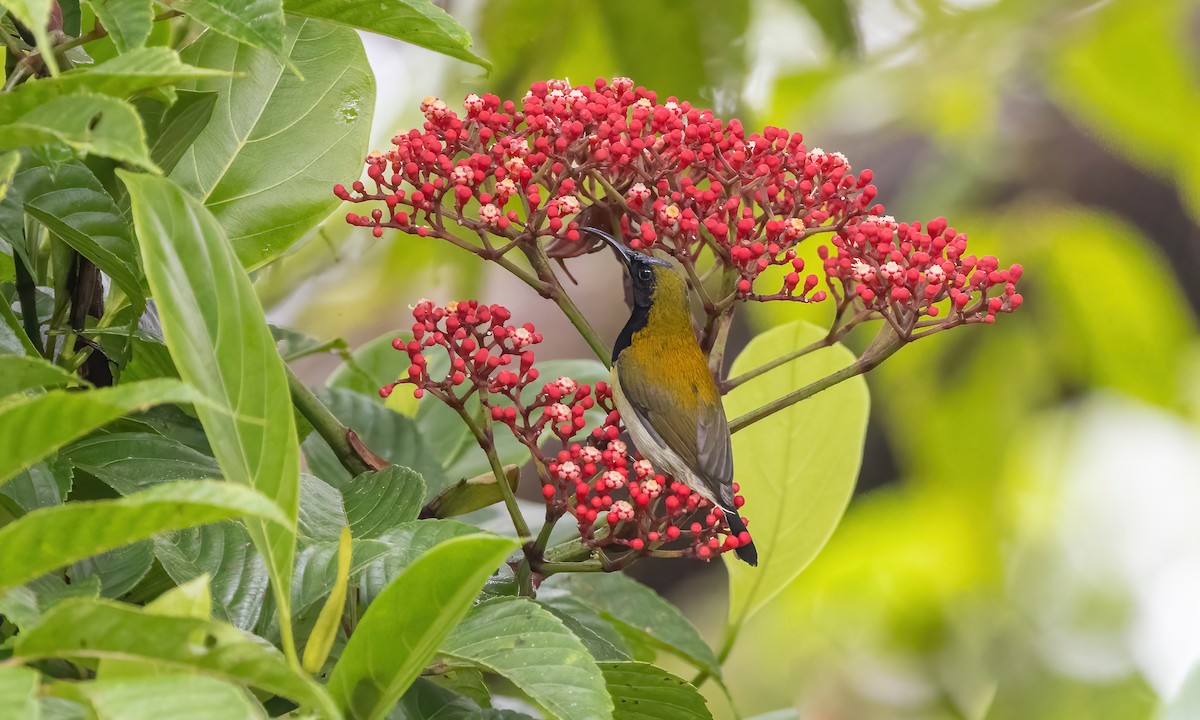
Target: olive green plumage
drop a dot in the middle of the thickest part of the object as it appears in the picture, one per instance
(665, 392)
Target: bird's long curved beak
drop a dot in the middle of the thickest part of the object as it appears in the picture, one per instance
(626, 254)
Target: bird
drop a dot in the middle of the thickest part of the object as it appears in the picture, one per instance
(665, 393)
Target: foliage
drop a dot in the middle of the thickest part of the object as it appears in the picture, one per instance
(186, 527)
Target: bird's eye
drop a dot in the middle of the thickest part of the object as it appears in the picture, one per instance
(645, 273)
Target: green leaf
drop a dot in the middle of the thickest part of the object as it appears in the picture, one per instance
(180, 126)
(370, 366)
(190, 600)
(316, 569)
(295, 345)
(18, 693)
(214, 327)
(426, 699)
(526, 644)
(258, 23)
(101, 629)
(320, 641)
(25, 605)
(128, 22)
(115, 258)
(406, 543)
(72, 202)
(391, 435)
(44, 484)
(602, 639)
(641, 691)
(88, 528)
(472, 494)
(225, 552)
(264, 166)
(118, 570)
(794, 497)
(322, 513)
(377, 502)
(9, 162)
(639, 610)
(18, 372)
(33, 428)
(35, 15)
(12, 335)
(92, 124)
(1143, 110)
(418, 22)
(130, 461)
(403, 627)
(123, 76)
(165, 696)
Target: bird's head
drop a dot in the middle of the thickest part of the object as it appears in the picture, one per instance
(654, 280)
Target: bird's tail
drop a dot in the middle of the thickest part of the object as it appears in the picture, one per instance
(747, 552)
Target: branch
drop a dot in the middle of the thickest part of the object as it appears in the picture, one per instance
(541, 265)
(784, 359)
(882, 347)
(342, 440)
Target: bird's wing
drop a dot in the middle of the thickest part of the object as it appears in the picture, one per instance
(700, 438)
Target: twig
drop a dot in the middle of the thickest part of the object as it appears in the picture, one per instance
(883, 347)
(331, 430)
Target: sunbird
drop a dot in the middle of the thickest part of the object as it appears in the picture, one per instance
(666, 396)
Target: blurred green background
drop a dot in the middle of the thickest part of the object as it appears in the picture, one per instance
(1025, 539)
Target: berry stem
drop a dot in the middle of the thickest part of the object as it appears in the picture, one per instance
(483, 435)
(784, 359)
(885, 344)
(541, 265)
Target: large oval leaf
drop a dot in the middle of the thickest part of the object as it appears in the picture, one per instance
(419, 22)
(796, 468)
(100, 629)
(83, 529)
(120, 77)
(264, 165)
(402, 629)
(18, 372)
(214, 327)
(641, 691)
(258, 23)
(223, 551)
(165, 696)
(525, 643)
(93, 124)
(638, 610)
(393, 436)
(70, 195)
(35, 427)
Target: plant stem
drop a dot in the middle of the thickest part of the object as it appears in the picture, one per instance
(733, 382)
(541, 265)
(27, 294)
(552, 568)
(483, 436)
(331, 430)
(14, 47)
(567, 551)
(884, 345)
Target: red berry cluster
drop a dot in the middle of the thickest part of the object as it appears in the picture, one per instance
(676, 176)
(905, 273)
(594, 480)
(643, 509)
(485, 354)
